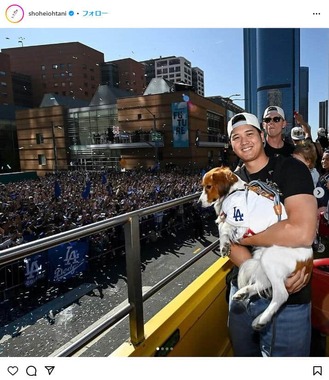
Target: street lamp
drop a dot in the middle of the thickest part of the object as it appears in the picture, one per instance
(231, 96)
(55, 144)
(227, 100)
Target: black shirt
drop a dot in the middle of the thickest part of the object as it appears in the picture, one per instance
(292, 177)
(286, 150)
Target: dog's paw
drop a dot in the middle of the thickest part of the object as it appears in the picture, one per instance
(225, 249)
(240, 296)
(257, 325)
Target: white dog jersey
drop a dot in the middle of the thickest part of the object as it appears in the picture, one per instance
(239, 205)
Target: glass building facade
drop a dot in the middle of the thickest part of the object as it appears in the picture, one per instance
(272, 70)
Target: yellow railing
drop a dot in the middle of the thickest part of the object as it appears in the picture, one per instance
(192, 324)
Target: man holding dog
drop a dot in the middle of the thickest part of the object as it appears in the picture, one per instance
(289, 332)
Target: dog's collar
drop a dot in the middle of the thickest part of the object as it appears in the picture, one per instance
(234, 191)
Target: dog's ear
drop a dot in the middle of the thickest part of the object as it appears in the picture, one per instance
(224, 178)
(231, 177)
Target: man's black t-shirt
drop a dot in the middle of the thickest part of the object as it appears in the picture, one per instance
(292, 177)
(286, 150)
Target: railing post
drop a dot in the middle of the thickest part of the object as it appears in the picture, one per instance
(134, 278)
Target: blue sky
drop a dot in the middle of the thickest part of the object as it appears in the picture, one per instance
(218, 52)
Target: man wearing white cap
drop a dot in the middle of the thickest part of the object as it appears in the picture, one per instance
(322, 138)
(274, 123)
(289, 333)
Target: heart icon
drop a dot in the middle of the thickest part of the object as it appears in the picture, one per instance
(12, 370)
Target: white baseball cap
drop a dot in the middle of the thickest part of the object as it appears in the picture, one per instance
(242, 118)
(297, 133)
(322, 132)
(277, 109)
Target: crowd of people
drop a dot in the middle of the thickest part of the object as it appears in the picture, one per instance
(37, 208)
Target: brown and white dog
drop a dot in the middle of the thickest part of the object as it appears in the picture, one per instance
(242, 212)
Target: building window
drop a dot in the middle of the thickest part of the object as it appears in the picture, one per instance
(43, 67)
(161, 63)
(55, 66)
(39, 138)
(42, 159)
(175, 61)
(215, 124)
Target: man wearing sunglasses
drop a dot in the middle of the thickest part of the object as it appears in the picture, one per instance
(274, 123)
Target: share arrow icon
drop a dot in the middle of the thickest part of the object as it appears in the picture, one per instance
(49, 368)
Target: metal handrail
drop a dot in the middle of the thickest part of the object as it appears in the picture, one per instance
(27, 249)
(133, 264)
(125, 310)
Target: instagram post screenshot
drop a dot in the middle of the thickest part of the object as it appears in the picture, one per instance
(164, 189)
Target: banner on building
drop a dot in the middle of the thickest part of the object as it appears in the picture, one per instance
(67, 260)
(180, 128)
(35, 268)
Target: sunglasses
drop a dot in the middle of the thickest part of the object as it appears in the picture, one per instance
(275, 119)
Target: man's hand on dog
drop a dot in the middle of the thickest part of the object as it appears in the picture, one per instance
(296, 281)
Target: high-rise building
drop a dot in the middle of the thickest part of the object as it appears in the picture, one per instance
(272, 70)
(126, 74)
(6, 89)
(303, 92)
(198, 80)
(67, 69)
(323, 115)
(176, 70)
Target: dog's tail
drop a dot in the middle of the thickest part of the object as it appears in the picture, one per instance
(251, 272)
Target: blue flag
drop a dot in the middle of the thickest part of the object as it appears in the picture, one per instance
(86, 191)
(58, 190)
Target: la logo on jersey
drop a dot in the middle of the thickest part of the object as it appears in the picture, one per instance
(237, 214)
